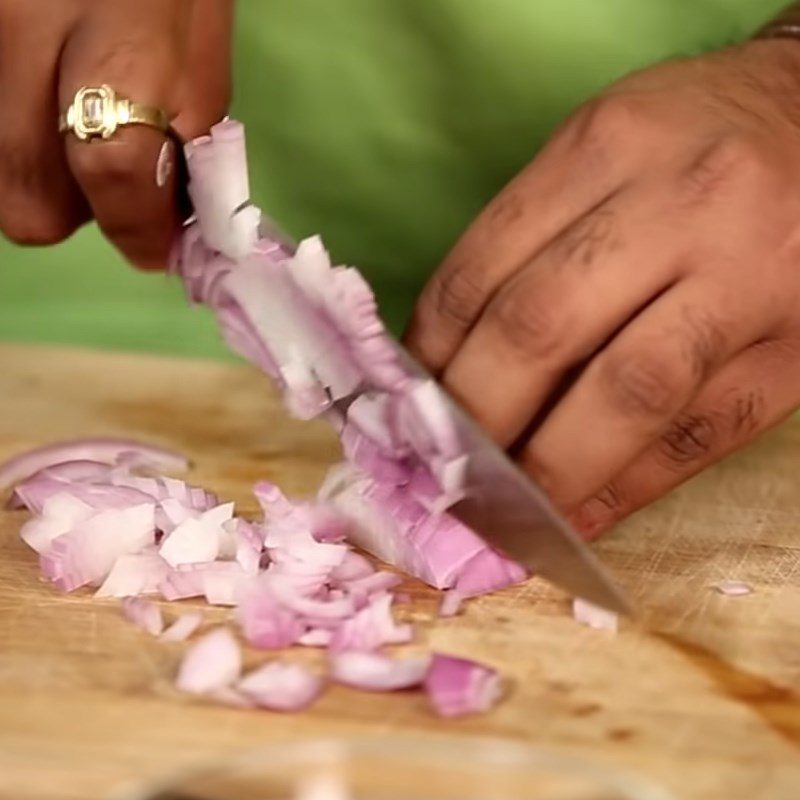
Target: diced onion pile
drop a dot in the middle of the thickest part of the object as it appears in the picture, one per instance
(315, 330)
(105, 515)
(291, 577)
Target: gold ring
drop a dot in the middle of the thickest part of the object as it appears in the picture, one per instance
(98, 112)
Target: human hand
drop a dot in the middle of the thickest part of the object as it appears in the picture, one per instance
(632, 298)
(173, 54)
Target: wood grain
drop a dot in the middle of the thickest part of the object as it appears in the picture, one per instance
(700, 694)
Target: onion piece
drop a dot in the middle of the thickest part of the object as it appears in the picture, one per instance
(376, 672)
(213, 663)
(229, 696)
(137, 574)
(182, 585)
(265, 622)
(451, 603)
(222, 582)
(316, 637)
(183, 627)
(353, 567)
(732, 588)
(456, 686)
(280, 686)
(371, 627)
(66, 472)
(59, 515)
(107, 450)
(594, 616)
(87, 553)
(435, 548)
(144, 614)
(197, 540)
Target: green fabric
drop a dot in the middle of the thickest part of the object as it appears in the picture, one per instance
(384, 125)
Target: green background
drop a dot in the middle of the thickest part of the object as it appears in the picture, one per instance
(384, 125)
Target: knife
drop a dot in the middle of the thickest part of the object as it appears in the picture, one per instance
(510, 512)
(505, 507)
(501, 504)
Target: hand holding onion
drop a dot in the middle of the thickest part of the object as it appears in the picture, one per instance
(633, 296)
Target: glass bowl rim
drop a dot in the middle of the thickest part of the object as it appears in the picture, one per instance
(420, 747)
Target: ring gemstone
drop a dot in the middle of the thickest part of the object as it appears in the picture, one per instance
(94, 112)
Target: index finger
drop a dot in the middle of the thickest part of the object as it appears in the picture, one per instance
(135, 48)
(573, 174)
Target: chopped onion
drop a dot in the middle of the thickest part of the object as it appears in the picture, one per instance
(377, 672)
(212, 664)
(281, 687)
(103, 516)
(107, 450)
(315, 330)
(59, 515)
(733, 588)
(265, 622)
(456, 686)
(595, 617)
(316, 637)
(229, 696)
(87, 553)
(197, 540)
(291, 578)
(183, 627)
(451, 603)
(371, 627)
(144, 614)
(140, 573)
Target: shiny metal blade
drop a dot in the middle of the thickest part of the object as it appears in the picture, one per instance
(505, 507)
(511, 513)
(508, 510)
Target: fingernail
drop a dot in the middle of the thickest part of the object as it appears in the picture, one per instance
(164, 165)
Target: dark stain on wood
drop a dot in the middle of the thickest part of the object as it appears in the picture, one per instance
(621, 734)
(776, 706)
(587, 709)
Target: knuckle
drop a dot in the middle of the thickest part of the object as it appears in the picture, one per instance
(612, 499)
(38, 226)
(22, 167)
(641, 384)
(607, 118)
(96, 164)
(746, 412)
(507, 208)
(587, 239)
(727, 161)
(32, 209)
(458, 296)
(705, 339)
(690, 438)
(528, 322)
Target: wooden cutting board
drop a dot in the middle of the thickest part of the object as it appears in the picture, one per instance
(701, 695)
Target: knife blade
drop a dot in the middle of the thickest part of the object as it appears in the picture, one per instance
(510, 512)
(503, 505)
